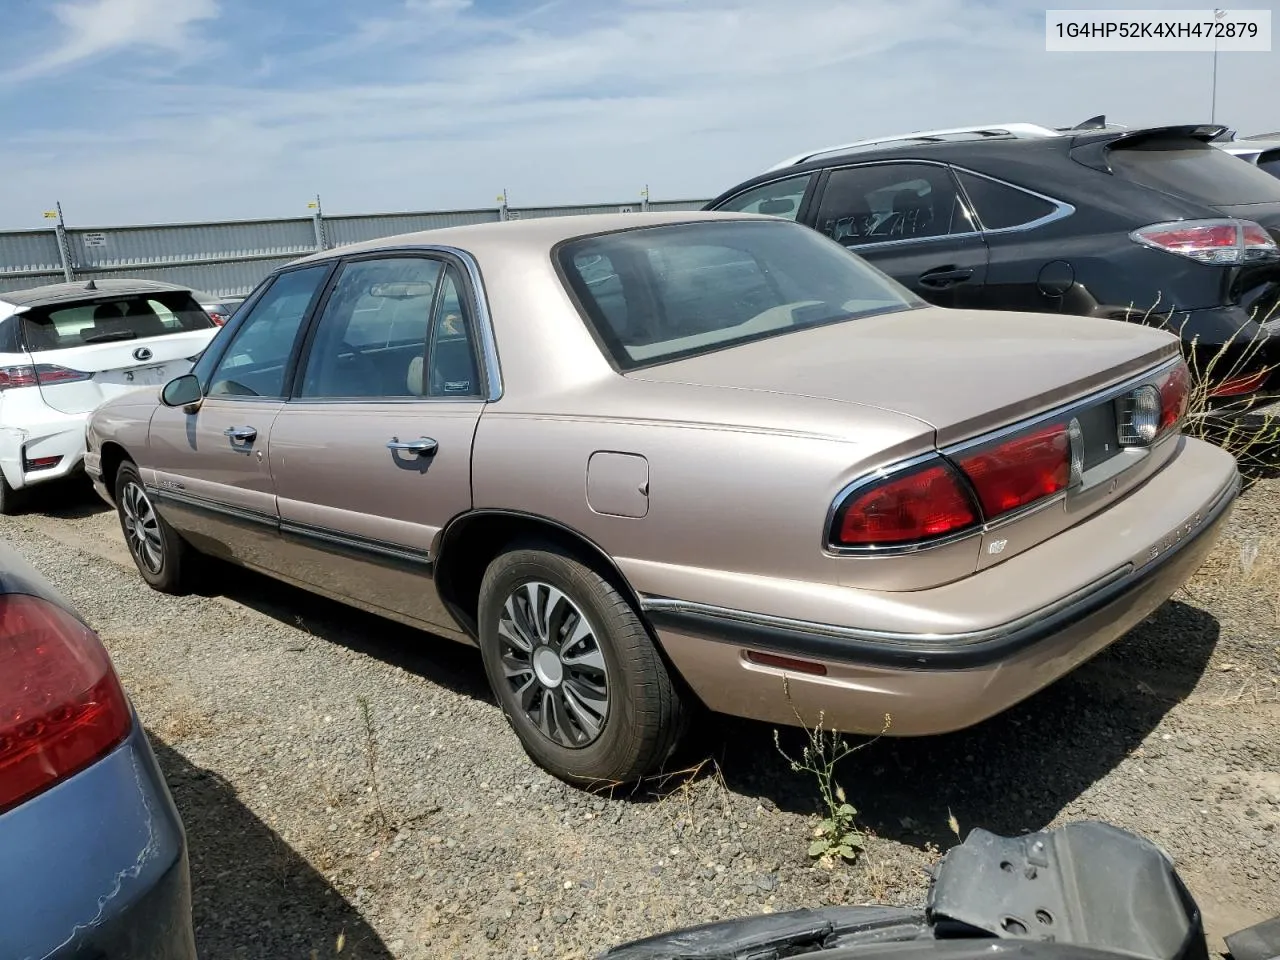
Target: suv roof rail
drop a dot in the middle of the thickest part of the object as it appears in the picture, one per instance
(992, 131)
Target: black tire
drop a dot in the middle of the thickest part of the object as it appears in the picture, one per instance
(160, 555)
(11, 501)
(644, 718)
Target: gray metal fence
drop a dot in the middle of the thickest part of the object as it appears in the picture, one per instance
(231, 258)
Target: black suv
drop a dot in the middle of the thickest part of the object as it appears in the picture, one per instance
(1151, 224)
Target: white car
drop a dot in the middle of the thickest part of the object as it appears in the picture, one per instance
(66, 348)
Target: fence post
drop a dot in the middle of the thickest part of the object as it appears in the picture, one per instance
(60, 234)
(317, 221)
(644, 199)
(502, 205)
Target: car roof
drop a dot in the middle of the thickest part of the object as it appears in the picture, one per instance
(85, 290)
(539, 233)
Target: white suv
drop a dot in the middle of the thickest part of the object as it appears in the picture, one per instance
(66, 348)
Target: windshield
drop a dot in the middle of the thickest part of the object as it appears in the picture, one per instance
(106, 321)
(659, 293)
(1193, 169)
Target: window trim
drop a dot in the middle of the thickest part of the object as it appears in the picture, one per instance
(1061, 211)
(479, 323)
(246, 311)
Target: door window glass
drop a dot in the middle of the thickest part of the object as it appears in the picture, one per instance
(781, 198)
(1000, 206)
(451, 358)
(373, 330)
(898, 201)
(257, 360)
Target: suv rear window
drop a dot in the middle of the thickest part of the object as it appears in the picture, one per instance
(1193, 169)
(658, 293)
(105, 321)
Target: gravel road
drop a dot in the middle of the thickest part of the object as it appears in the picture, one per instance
(350, 789)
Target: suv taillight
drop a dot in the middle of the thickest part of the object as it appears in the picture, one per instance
(61, 706)
(1226, 242)
(42, 374)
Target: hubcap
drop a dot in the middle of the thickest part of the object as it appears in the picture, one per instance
(553, 664)
(141, 528)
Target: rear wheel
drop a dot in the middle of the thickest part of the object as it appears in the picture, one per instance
(574, 669)
(157, 550)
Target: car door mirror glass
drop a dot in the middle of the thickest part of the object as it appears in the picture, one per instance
(182, 391)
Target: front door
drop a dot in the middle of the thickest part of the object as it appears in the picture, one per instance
(208, 470)
(372, 455)
(909, 220)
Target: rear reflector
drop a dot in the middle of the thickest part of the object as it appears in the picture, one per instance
(40, 463)
(1014, 473)
(1224, 242)
(1239, 386)
(923, 504)
(61, 706)
(786, 663)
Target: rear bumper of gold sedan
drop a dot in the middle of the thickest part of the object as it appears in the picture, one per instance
(937, 682)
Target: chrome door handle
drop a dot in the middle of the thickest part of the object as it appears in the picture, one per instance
(240, 434)
(423, 447)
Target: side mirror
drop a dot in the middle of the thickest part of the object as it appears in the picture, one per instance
(183, 391)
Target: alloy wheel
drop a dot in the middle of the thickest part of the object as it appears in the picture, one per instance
(553, 664)
(142, 527)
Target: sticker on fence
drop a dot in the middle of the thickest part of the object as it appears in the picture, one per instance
(94, 239)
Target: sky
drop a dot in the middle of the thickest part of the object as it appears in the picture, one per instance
(154, 111)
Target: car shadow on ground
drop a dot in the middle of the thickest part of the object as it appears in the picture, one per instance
(1011, 774)
(72, 499)
(448, 663)
(253, 896)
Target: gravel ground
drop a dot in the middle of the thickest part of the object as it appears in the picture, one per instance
(349, 787)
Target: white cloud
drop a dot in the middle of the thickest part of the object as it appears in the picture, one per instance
(581, 102)
(95, 27)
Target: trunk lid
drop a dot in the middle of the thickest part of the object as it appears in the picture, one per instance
(115, 368)
(964, 372)
(89, 350)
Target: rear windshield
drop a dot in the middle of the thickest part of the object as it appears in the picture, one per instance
(1193, 169)
(659, 293)
(105, 321)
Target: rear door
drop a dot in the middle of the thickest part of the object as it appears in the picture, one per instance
(907, 218)
(88, 352)
(372, 455)
(209, 469)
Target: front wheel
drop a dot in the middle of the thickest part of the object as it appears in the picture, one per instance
(157, 550)
(574, 669)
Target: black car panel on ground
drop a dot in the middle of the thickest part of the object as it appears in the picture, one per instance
(1153, 225)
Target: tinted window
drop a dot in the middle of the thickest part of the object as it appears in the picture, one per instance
(1269, 162)
(126, 318)
(999, 206)
(1195, 170)
(899, 201)
(781, 198)
(658, 293)
(451, 358)
(256, 360)
(373, 329)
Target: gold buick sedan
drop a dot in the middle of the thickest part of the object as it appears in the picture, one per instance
(650, 462)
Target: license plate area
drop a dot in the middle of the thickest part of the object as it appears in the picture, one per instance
(1098, 425)
(153, 375)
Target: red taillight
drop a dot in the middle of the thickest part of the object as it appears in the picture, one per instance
(1175, 396)
(61, 706)
(40, 463)
(218, 318)
(1224, 242)
(1020, 471)
(11, 377)
(1238, 386)
(924, 504)
(49, 374)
